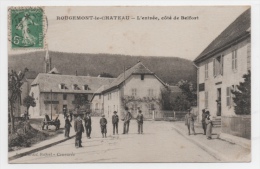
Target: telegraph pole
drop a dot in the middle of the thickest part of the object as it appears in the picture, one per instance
(51, 104)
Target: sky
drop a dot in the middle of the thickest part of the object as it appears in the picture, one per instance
(171, 38)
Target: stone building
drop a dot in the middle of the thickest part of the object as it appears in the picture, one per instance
(54, 92)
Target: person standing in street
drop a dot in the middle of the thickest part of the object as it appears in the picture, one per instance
(209, 126)
(189, 121)
(79, 129)
(87, 120)
(140, 120)
(67, 127)
(103, 126)
(127, 118)
(203, 121)
(115, 121)
(71, 115)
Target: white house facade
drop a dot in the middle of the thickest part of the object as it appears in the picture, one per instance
(221, 67)
(137, 88)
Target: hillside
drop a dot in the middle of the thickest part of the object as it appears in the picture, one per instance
(169, 69)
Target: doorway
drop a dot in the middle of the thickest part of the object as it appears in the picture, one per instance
(218, 102)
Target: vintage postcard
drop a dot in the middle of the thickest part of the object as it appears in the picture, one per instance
(129, 84)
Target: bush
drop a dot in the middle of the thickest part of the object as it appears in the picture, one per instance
(25, 136)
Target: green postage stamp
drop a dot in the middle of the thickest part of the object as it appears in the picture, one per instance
(26, 27)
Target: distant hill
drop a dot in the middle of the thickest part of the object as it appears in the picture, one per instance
(169, 69)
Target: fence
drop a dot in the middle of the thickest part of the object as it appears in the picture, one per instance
(171, 115)
(237, 125)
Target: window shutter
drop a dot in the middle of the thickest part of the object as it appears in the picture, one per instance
(222, 64)
(214, 67)
(228, 96)
(235, 59)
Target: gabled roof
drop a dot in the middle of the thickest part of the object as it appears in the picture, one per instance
(237, 30)
(138, 68)
(54, 71)
(52, 82)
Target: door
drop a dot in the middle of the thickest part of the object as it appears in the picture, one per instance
(218, 102)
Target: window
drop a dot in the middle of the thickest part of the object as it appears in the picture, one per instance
(150, 92)
(218, 65)
(75, 87)
(206, 99)
(62, 86)
(134, 92)
(85, 87)
(206, 70)
(96, 108)
(228, 96)
(142, 76)
(46, 106)
(55, 96)
(100, 96)
(46, 96)
(64, 96)
(234, 59)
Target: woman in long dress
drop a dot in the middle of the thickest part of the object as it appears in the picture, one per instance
(209, 127)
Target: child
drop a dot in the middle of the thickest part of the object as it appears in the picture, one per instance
(103, 125)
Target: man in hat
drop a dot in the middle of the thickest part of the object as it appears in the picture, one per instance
(79, 129)
(127, 118)
(103, 126)
(115, 121)
(67, 127)
(189, 121)
(87, 120)
(140, 120)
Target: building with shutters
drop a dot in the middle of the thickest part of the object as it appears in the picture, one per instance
(221, 67)
(137, 88)
(54, 92)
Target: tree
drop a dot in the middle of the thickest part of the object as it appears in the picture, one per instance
(242, 96)
(166, 99)
(14, 91)
(103, 74)
(80, 100)
(29, 101)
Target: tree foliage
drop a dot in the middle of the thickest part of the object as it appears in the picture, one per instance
(242, 96)
(80, 100)
(166, 99)
(179, 101)
(15, 82)
(29, 101)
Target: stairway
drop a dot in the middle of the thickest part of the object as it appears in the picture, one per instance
(216, 121)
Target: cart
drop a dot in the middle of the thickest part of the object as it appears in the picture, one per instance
(48, 122)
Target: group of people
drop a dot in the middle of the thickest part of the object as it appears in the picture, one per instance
(79, 128)
(207, 123)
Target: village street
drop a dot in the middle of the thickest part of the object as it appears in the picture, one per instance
(159, 143)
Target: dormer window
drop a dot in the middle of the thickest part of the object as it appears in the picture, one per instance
(62, 86)
(75, 87)
(86, 87)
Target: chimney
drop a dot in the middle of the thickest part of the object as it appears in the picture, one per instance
(76, 73)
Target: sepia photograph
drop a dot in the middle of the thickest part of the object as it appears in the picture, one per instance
(129, 84)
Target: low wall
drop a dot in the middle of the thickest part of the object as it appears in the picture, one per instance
(237, 125)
